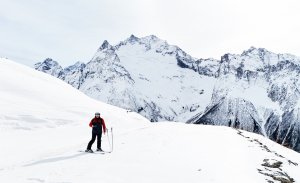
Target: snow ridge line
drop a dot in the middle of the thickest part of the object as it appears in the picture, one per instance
(266, 148)
(272, 168)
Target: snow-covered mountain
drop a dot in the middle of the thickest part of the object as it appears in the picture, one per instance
(256, 91)
(145, 75)
(44, 122)
(50, 66)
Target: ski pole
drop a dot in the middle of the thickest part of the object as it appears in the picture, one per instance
(112, 140)
(108, 140)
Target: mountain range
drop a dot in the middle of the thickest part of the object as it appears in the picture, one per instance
(256, 90)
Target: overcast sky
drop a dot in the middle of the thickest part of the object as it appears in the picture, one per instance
(72, 30)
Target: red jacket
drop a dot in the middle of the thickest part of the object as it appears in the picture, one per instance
(95, 121)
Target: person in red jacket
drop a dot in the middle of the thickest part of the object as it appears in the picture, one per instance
(97, 123)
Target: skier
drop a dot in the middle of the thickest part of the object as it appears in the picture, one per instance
(97, 124)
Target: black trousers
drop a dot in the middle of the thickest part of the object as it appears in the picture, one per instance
(94, 135)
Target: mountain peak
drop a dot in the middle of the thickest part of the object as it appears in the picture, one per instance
(151, 38)
(105, 45)
(50, 60)
(49, 66)
(254, 51)
(150, 41)
(133, 38)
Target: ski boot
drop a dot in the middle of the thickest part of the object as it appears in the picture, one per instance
(89, 151)
(99, 150)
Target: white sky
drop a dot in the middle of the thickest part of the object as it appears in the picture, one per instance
(72, 30)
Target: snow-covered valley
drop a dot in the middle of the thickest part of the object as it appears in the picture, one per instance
(44, 124)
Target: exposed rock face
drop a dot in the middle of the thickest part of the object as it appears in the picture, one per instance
(236, 112)
(49, 66)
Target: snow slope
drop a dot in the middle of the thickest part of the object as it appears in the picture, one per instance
(38, 111)
(43, 123)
